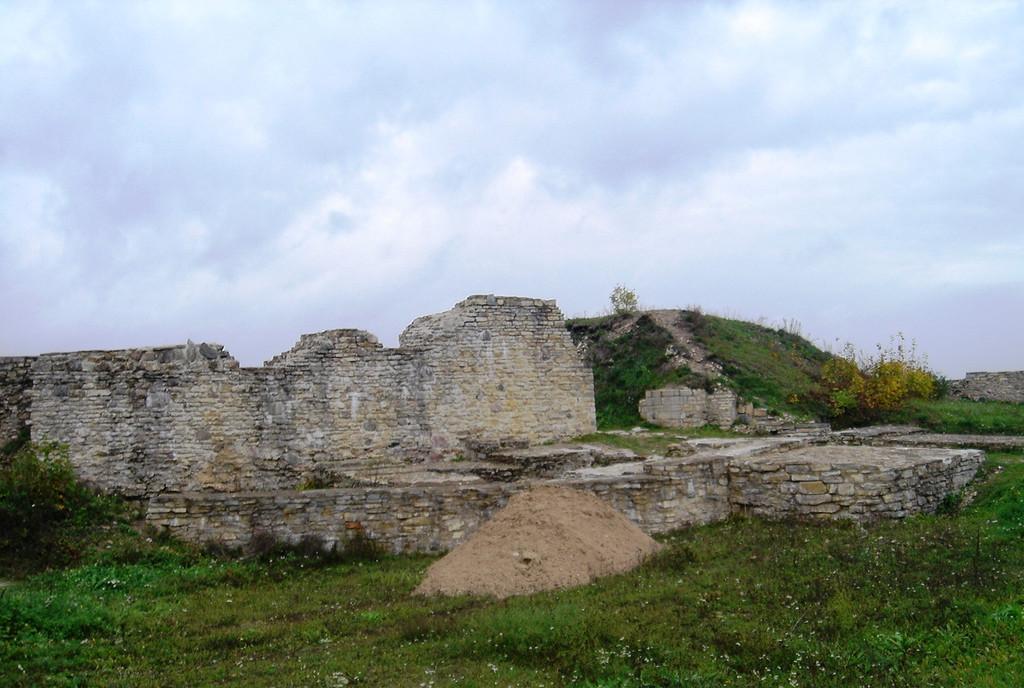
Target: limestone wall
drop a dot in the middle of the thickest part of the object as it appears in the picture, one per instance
(188, 418)
(427, 518)
(15, 395)
(1004, 386)
(861, 483)
(686, 407)
(506, 371)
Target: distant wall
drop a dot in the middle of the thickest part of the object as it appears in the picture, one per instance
(686, 407)
(15, 395)
(1004, 386)
(188, 418)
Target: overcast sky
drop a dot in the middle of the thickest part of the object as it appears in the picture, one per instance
(246, 172)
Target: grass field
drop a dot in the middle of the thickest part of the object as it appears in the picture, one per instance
(964, 416)
(931, 601)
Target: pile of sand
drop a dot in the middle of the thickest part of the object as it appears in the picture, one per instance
(547, 537)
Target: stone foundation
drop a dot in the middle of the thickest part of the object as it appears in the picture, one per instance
(861, 483)
(782, 478)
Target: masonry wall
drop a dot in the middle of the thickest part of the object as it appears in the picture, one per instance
(1004, 386)
(429, 518)
(686, 407)
(15, 395)
(188, 418)
(669, 494)
(861, 483)
(507, 372)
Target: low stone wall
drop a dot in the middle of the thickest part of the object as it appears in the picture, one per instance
(1002, 386)
(15, 395)
(862, 483)
(427, 518)
(658, 494)
(687, 407)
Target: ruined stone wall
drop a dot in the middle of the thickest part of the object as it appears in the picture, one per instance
(1004, 386)
(686, 407)
(427, 518)
(861, 483)
(858, 483)
(140, 421)
(507, 372)
(15, 395)
(187, 418)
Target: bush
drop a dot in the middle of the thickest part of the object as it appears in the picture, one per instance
(882, 384)
(39, 495)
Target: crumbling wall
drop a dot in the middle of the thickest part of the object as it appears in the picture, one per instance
(687, 407)
(15, 395)
(427, 518)
(188, 418)
(1004, 386)
(860, 483)
(141, 421)
(507, 373)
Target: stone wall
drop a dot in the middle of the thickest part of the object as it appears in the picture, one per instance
(1004, 386)
(432, 517)
(187, 418)
(861, 483)
(15, 395)
(687, 407)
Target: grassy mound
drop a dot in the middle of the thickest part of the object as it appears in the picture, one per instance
(773, 368)
(627, 365)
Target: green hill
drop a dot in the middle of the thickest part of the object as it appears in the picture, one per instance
(631, 353)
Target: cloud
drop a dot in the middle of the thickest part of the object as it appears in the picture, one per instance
(245, 173)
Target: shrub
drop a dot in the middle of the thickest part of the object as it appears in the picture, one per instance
(868, 388)
(39, 495)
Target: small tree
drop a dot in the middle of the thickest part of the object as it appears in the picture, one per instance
(623, 300)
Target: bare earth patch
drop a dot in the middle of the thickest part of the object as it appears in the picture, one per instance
(544, 538)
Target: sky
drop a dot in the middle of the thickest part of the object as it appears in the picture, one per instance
(244, 172)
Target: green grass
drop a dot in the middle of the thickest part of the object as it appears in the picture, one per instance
(774, 368)
(963, 416)
(933, 600)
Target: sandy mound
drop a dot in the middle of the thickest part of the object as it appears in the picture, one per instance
(547, 537)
